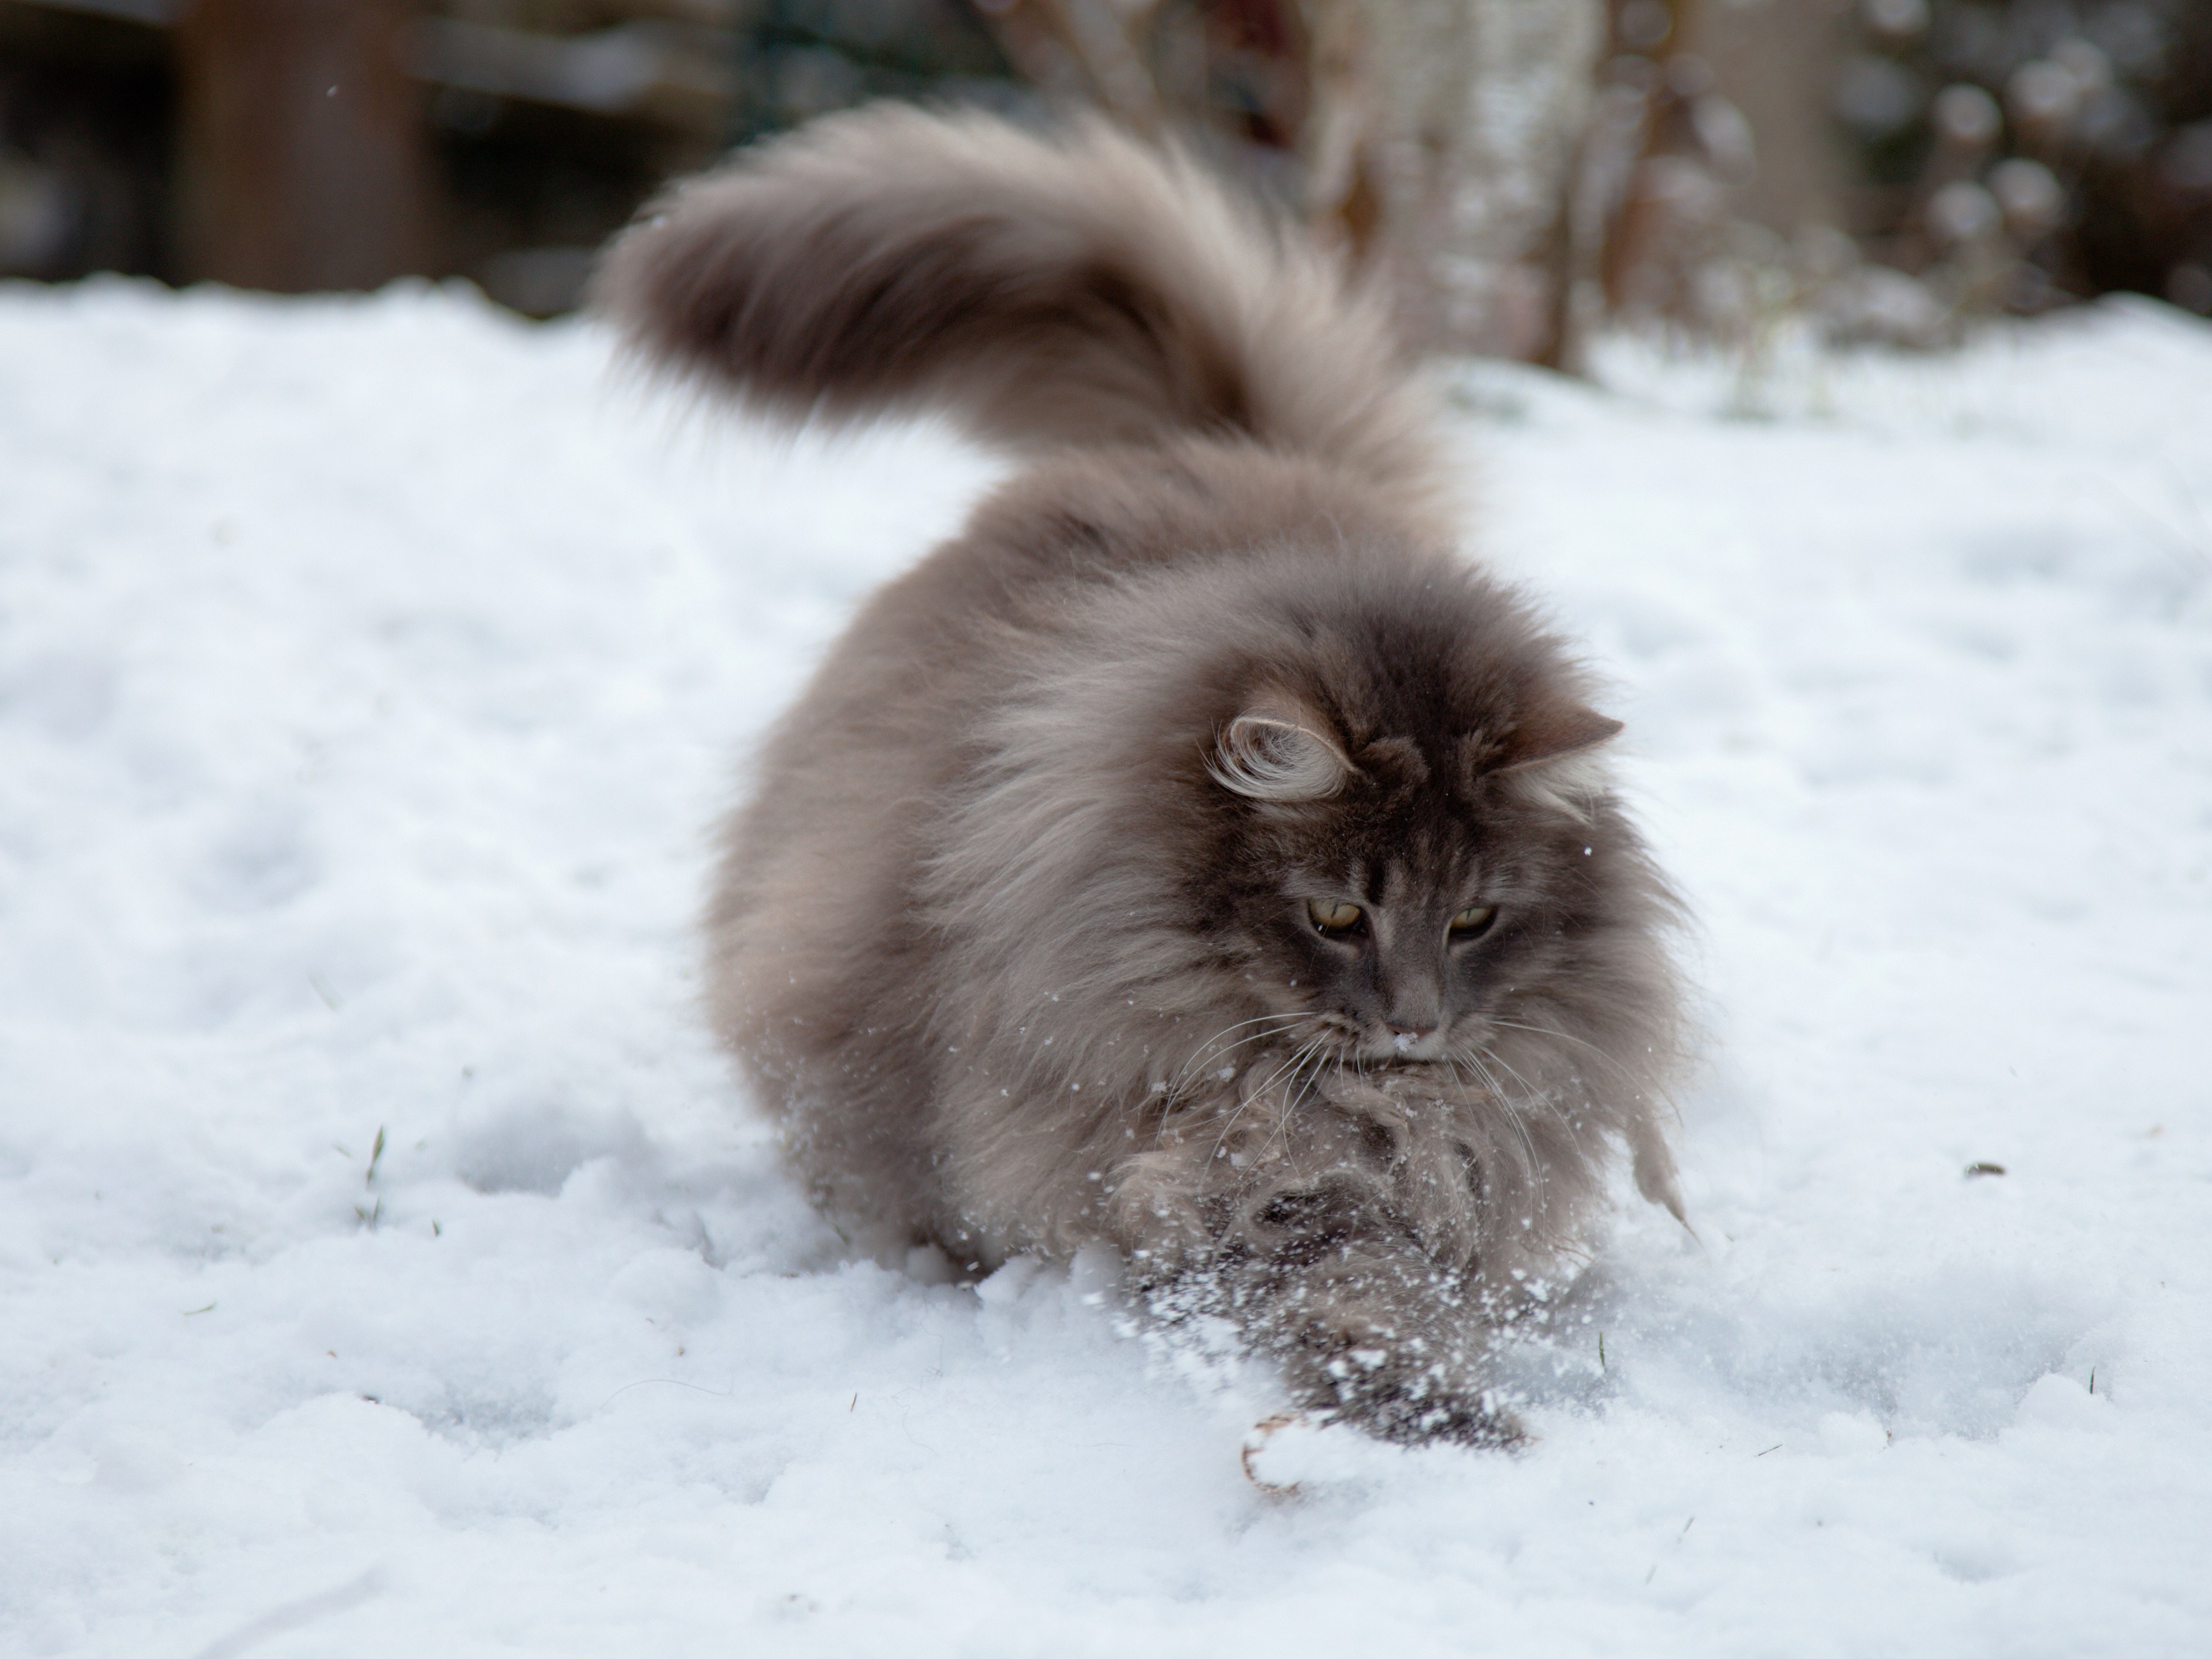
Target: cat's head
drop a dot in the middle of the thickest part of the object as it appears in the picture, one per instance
(1297, 800)
(1416, 847)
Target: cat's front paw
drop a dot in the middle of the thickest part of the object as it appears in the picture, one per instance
(1442, 1418)
(1394, 1398)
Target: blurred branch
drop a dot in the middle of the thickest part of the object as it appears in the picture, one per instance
(155, 14)
(682, 77)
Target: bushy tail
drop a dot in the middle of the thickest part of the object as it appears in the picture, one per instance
(1072, 289)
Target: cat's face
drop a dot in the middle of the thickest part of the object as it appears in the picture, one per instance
(1394, 955)
(1399, 939)
(1401, 915)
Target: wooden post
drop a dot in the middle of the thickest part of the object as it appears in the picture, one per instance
(300, 156)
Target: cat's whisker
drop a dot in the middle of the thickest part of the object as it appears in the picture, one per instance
(1207, 1052)
(1538, 1100)
(1290, 1066)
(1324, 1054)
(1611, 1060)
(1530, 1093)
(1256, 1019)
(1229, 1125)
(1199, 1055)
(1546, 1100)
(1298, 1060)
(1315, 1053)
(1533, 1166)
(1186, 1075)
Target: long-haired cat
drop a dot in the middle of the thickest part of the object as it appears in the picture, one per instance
(1195, 855)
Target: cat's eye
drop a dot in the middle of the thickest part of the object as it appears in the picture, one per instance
(1333, 917)
(1472, 921)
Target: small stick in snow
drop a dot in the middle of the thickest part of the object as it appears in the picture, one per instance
(1256, 1441)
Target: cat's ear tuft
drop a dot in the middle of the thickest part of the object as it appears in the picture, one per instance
(1269, 755)
(1555, 762)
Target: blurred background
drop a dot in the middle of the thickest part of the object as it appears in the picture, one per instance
(1520, 172)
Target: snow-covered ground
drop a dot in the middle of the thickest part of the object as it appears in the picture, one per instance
(371, 674)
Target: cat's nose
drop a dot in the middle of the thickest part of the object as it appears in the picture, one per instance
(1412, 1009)
(1410, 1040)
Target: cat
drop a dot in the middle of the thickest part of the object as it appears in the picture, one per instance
(1195, 856)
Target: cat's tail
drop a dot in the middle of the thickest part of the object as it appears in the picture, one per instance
(1078, 289)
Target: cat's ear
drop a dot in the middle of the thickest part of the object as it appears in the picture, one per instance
(1278, 754)
(1556, 733)
(1555, 760)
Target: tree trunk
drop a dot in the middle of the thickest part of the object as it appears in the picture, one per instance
(1443, 146)
(301, 162)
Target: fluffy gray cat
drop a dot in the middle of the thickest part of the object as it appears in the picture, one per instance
(1195, 856)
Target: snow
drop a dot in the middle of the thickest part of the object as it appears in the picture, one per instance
(372, 673)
